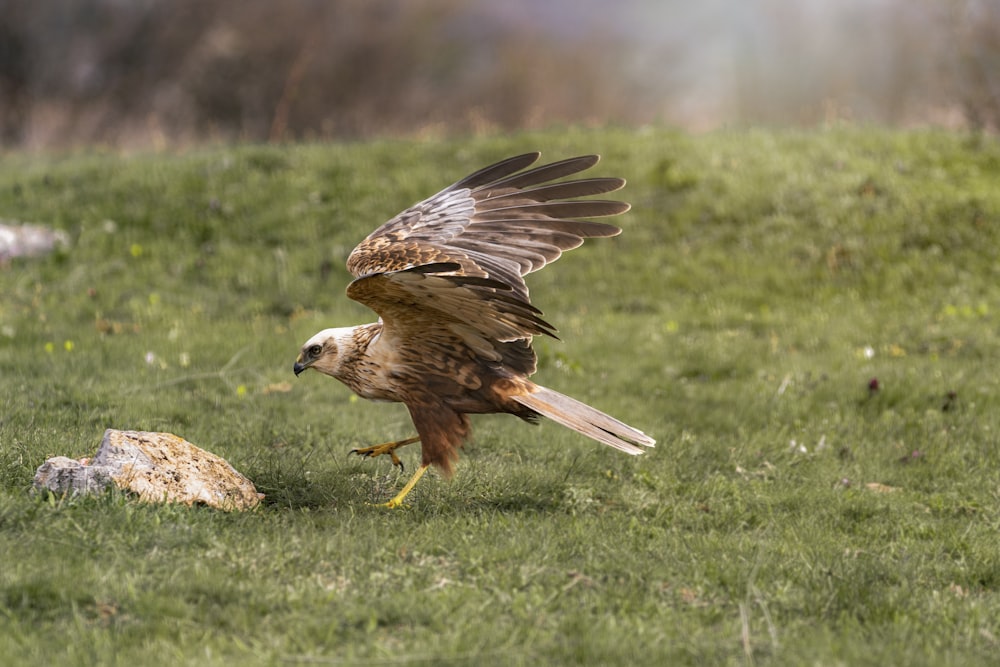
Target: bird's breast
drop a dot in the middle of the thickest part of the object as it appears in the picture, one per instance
(372, 380)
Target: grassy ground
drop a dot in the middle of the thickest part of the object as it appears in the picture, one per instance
(789, 515)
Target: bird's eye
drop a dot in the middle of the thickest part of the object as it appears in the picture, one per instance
(315, 350)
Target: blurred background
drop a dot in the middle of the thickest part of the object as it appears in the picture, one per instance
(159, 73)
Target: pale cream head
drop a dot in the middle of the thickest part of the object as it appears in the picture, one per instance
(323, 352)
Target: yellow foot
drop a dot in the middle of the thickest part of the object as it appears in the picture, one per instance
(385, 448)
(398, 500)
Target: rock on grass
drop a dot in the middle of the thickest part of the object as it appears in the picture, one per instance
(157, 467)
(21, 240)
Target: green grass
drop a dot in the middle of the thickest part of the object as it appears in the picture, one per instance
(763, 279)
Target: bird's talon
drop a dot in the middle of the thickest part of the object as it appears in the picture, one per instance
(385, 448)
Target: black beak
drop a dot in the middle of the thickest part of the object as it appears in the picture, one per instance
(298, 368)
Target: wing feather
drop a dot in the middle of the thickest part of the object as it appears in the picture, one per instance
(593, 208)
(566, 190)
(414, 301)
(496, 172)
(456, 262)
(584, 229)
(543, 174)
(527, 255)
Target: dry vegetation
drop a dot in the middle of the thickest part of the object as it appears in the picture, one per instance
(157, 72)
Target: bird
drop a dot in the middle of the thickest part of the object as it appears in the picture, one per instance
(456, 323)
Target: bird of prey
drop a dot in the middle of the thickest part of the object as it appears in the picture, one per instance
(446, 277)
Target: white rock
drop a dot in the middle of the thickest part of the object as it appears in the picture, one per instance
(21, 240)
(62, 475)
(157, 467)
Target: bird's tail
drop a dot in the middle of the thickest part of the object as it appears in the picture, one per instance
(584, 419)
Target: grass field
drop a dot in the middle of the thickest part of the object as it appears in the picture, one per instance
(789, 514)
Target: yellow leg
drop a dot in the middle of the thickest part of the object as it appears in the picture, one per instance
(398, 500)
(386, 448)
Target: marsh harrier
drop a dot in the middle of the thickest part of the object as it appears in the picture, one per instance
(446, 277)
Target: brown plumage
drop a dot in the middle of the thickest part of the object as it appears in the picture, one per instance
(446, 277)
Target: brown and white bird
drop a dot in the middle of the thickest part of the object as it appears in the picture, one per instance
(455, 322)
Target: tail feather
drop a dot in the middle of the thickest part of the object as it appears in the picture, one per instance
(584, 419)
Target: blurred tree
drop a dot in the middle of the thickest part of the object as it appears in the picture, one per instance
(179, 71)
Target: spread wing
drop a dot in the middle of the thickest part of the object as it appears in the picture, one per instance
(455, 262)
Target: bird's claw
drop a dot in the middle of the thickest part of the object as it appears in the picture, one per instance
(386, 448)
(372, 452)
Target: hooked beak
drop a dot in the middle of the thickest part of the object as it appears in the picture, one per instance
(299, 367)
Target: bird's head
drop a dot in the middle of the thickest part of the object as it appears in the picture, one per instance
(323, 351)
